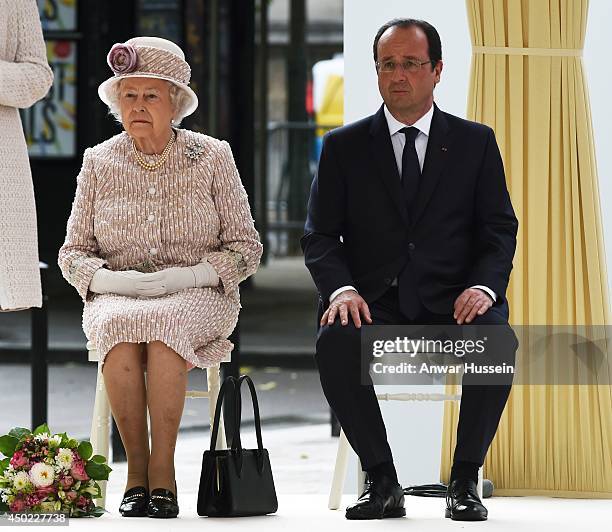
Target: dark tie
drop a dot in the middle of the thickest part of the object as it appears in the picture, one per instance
(409, 299)
(411, 169)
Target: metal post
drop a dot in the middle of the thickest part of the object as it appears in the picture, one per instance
(213, 68)
(298, 139)
(38, 360)
(261, 210)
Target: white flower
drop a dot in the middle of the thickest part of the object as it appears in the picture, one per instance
(90, 489)
(21, 481)
(41, 437)
(55, 441)
(4, 496)
(63, 458)
(42, 475)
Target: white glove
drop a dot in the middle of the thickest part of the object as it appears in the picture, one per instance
(109, 282)
(174, 279)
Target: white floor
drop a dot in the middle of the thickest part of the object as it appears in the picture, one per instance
(302, 460)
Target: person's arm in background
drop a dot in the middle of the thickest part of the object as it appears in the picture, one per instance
(28, 78)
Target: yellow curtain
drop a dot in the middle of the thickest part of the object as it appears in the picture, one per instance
(528, 83)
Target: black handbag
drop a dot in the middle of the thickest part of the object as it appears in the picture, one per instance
(236, 482)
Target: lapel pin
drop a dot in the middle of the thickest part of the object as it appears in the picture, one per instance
(444, 148)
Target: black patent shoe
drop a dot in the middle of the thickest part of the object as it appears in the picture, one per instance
(134, 503)
(381, 499)
(163, 503)
(463, 502)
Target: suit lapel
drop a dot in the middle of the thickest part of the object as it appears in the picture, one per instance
(436, 157)
(385, 158)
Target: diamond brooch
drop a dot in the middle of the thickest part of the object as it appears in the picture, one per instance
(194, 149)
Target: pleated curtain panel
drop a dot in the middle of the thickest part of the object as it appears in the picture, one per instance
(528, 84)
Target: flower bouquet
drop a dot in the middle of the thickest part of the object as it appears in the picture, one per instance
(44, 473)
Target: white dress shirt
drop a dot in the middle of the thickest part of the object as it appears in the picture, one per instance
(398, 140)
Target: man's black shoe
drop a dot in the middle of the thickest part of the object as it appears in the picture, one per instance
(463, 502)
(380, 499)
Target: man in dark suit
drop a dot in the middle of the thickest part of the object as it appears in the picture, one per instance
(409, 222)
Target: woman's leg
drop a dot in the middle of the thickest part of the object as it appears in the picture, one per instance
(125, 385)
(166, 385)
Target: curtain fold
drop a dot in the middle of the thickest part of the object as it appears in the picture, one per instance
(552, 440)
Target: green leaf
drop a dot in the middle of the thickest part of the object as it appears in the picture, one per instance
(65, 439)
(97, 471)
(98, 511)
(19, 432)
(85, 450)
(98, 459)
(3, 507)
(7, 445)
(41, 429)
(4, 464)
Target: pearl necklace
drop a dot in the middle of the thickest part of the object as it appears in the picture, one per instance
(160, 160)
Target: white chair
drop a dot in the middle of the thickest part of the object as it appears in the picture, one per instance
(100, 424)
(337, 487)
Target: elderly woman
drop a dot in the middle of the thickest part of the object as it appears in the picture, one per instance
(25, 78)
(159, 237)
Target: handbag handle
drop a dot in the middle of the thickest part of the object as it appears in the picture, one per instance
(215, 428)
(236, 442)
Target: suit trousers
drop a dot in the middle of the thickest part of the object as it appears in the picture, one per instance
(338, 357)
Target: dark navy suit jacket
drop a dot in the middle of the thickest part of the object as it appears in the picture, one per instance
(462, 232)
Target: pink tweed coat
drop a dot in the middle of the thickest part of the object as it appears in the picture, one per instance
(126, 218)
(25, 78)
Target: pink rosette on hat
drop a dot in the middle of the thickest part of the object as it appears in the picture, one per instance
(122, 58)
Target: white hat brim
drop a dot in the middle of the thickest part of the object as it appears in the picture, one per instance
(105, 86)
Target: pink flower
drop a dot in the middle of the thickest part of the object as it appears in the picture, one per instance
(32, 500)
(122, 58)
(71, 495)
(19, 459)
(18, 505)
(41, 493)
(66, 482)
(78, 470)
(82, 502)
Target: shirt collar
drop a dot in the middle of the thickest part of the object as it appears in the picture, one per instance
(422, 124)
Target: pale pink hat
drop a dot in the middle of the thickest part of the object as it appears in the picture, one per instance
(149, 57)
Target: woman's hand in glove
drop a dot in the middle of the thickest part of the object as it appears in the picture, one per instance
(125, 283)
(173, 279)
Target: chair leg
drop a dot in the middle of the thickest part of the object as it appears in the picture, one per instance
(100, 427)
(337, 487)
(214, 386)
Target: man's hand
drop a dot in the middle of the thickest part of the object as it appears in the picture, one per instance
(344, 303)
(470, 303)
